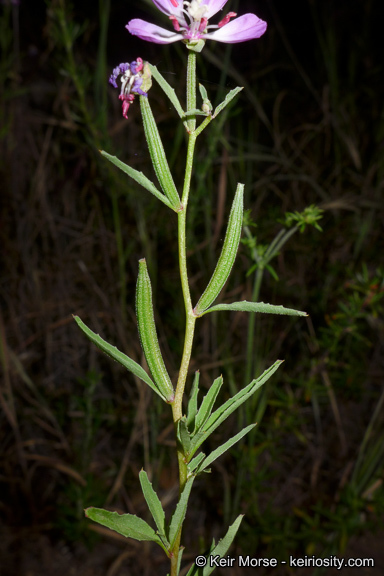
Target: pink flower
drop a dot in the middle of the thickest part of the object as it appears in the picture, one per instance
(190, 23)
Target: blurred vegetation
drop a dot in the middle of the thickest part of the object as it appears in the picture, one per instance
(306, 136)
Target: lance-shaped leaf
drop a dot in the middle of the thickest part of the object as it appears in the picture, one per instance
(179, 514)
(183, 435)
(195, 112)
(148, 335)
(198, 571)
(192, 403)
(261, 307)
(227, 256)
(220, 550)
(229, 97)
(139, 177)
(195, 462)
(119, 357)
(207, 404)
(223, 448)
(157, 153)
(154, 505)
(230, 406)
(181, 550)
(167, 88)
(128, 525)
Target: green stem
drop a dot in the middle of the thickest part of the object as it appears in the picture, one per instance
(177, 405)
(191, 88)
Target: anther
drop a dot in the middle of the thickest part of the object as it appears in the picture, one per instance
(175, 23)
(226, 19)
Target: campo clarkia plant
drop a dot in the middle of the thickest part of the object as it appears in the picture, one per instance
(194, 423)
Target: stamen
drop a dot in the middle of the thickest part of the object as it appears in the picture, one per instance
(203, 24)
(196, 11)
(127, 101)
(187, 13)
(127, 82)
(226, 19)
(175, 23)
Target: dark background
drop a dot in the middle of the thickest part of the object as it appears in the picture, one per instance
(75, 429)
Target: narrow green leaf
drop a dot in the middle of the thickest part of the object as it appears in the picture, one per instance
(128, 525)
(179, 514)
(167, 88)
(197, 441)
(261, 307)
(196, 571)
(233, 403)
(148, 334)
(158, 157)
(154, 504)
(194, 463)
(219, 550)
(139, 177)
(203, 92)
(224, 447)
(252, 269)
(272, 272)
(183, 435)
(207, 404)
(229, 97)
(227, 256)
(230, 406)
(192, 404)
(181, 550)
(223, 545)
(195, 112)
(119, 357)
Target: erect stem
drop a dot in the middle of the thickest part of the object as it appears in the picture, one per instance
(177, 404)
(191, 88)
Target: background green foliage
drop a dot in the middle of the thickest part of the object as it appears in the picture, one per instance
(307, 129)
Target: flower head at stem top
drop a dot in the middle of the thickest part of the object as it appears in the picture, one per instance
(131, 82)
(190, 20)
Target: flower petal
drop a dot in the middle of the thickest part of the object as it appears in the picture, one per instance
(246, 27)
(213, 6)
(167, 8)
(151, 32)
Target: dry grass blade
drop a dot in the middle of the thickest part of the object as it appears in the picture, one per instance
(57, 465)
